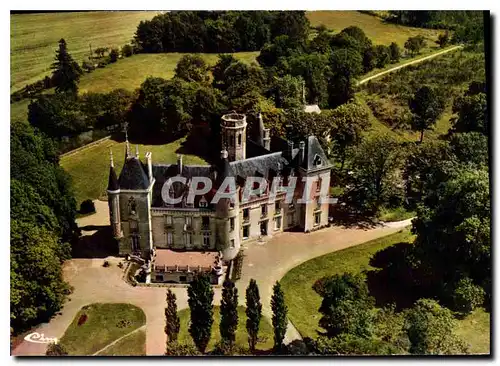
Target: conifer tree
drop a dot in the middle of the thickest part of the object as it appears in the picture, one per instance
(280, 310)
(172, 319)
(254, 313)
(201, 295)
(66, 71)
(229, 313)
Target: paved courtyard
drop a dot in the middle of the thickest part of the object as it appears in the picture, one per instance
(266, 262)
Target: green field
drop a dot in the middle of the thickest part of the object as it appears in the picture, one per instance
(129, 73)
(265, 331)
(89, 169)
(34, 37)
(374, 27)
(101, 328)
(303, 302)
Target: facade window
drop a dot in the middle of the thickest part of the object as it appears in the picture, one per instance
(182, 278)
(277, 207)
(318, 204)
(277, 223)
(317, 218)
(318, 185)
(170, 239)
(232, 243)
(188, 240)
(317, 161)
(159, 278)
(263, 210)
(133, 226)
(205, 222)
(206, 240)
(246, 231)
(231, 224)
(203, 202)
(132, 206)
(246, 214)
(239, 139)
(169, 220)
(290, 220)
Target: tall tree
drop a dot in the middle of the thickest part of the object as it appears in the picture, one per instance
(375, 167)
(426, 106)
(192, 68)
(279, 319)
(66, 71)
(395, 52)
(254, 313)
(349, 121)
(171, 318)
(229, 313)
(201, 295)
(471, 113)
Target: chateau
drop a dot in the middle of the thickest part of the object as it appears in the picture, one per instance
(176, 240)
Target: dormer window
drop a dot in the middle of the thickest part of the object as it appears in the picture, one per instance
(317, 161)
(203, 202)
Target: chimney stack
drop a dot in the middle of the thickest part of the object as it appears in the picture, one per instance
(179, 164)
(302, 147)
(150, 166)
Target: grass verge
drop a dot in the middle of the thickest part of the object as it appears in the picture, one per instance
(103, 326)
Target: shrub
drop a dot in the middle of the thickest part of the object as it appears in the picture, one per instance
(55, 349)
(127, 50)
(124, 323)
(83, 318)
(88, 66)
(177, 349)
(467, 296)
(113, 55)
(120, 265)
(106, 264)
(87, 207)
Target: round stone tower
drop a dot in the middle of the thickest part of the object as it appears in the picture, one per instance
(234, 135)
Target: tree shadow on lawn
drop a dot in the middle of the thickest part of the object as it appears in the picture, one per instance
(394, 280)
(347, 218)
(101, 244)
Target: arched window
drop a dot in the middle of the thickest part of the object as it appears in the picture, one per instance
(317, 161)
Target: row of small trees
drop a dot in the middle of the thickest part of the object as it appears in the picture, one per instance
(200, 293)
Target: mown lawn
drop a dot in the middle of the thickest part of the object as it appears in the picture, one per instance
(303, 302)
(34, 38)
(265, 332)
(101, 327)
(374, 27)
(129, 73)
(133, 345)
(89, 168)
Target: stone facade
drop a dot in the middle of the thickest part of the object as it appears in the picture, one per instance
(142, 221)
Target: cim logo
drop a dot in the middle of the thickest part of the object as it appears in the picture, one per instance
(39, 338)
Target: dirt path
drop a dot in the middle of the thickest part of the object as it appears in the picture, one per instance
(408, 64)
(266, 262)
(118, 340)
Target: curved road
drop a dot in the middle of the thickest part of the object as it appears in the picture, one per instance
(266, 262)
(382, 73)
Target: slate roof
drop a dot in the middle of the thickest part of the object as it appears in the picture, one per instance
(314, 151)
(133, 175)
(260, 164)
(162, 172)
(113, 180)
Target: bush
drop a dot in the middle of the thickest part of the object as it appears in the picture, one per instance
(106, 264)
(238, 265)
(124, 323)
(349, 344)
(467, 296)
(113, 55)
(88, 66)
(127, 50)
(177, 349)
(55, 349)
(87, 207)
